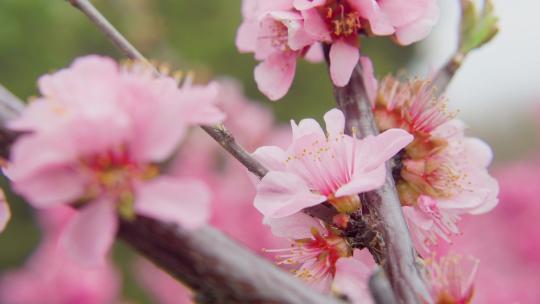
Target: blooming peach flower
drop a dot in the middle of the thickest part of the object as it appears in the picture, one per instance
(442, 174)
(451, 278)
(101, 132)
(319, 167)
(49, 277)
(5, 214)
(338, 22)
(274, 32)
(314, 248)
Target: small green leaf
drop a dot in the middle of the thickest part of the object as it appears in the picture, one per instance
(477, 27)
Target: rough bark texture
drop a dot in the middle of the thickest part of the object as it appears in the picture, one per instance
(394, 250)
(216, 268)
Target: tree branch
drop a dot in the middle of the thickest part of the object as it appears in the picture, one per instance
(215, 267)
(218, 269)
(218, 133)
(398, 256)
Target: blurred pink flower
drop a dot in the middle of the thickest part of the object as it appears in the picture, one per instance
(338, 22)
(318, 167)
(101, 130)
(505, 240)
(163, 288)
(451, 278)
(233, 191)
(274, 32)
(5, 214)
(49, 277)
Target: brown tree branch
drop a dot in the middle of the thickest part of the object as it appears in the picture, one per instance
(218, 133)
(215, 267)
(398, 256)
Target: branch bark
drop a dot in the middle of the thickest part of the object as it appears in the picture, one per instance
(398, 256)
(215, 267)
(218, 133)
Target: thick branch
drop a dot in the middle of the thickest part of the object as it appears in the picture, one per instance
(215, 267)
(445, 75)
(219, 133)
(398, 257)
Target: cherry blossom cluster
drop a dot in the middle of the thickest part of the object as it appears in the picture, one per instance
(102, 131)
(281, 31)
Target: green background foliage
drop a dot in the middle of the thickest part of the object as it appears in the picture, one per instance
(37, 37)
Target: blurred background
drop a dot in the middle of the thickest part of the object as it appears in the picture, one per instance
(496, 91)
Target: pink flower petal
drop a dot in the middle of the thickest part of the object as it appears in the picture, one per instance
(91, 233)
(479, 152)
(180, 201)
(315, 25)
(375, 150)
(271, 157)
(297, 226)
(370, 10)
(418, 29)
(282, 194)
(351, 279)
(275, 75)
(368, 76)
(343, 59)
(246, 36)
(363, 182)
(50, 187)
(5, 214)
(335, 122)
(307, 4)
(314, 54)
(307, 126)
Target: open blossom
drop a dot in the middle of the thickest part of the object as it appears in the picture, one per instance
(49, 277)
(319, 167)
(5, 214)
(315, 249)
(274, 32)
(338, 23)
(101, 131)
(451, 278)
(442, 174)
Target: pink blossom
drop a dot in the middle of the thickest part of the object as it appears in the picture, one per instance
(314, 249)
(352, 277)
(5, 214)
(451, 278)
(442, 174)
(101, 131)
(274, 32)
(460, 184)
(163, 288)
(338, 22)
(319, 167)
(49, 277)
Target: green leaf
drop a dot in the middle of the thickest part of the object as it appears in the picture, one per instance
(477, 27)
